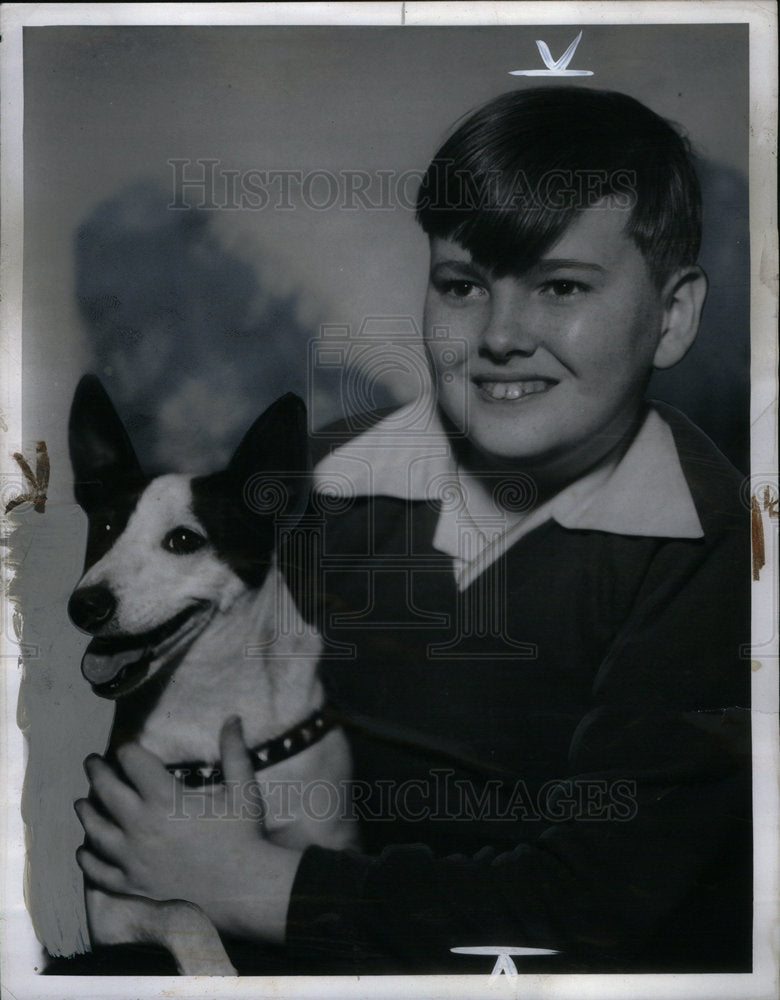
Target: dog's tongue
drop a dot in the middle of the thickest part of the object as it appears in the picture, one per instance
(101, 665)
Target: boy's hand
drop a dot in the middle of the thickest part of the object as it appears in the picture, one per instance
(165, 841)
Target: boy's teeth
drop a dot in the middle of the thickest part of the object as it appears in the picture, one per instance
(513, 390)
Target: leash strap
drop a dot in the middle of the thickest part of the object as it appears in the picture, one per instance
(201, 774)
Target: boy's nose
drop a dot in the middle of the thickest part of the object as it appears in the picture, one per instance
(508, 332)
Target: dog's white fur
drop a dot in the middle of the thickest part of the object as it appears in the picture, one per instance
(250, 654)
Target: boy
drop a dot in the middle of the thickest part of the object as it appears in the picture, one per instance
(533, 595)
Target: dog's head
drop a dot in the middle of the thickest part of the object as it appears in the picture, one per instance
(164, 555)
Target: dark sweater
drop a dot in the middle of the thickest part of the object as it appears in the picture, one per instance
(558, 757)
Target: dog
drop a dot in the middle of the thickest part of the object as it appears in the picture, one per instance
(191, 622)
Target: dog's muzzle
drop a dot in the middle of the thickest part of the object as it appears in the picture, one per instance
(115, 666)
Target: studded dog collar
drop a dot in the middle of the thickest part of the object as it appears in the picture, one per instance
(201, 774)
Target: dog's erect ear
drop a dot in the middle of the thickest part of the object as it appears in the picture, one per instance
(102, 456)
(272, 465)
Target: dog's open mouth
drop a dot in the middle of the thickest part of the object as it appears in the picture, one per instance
(115, 666)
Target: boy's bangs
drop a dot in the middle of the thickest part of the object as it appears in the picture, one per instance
(504, 221)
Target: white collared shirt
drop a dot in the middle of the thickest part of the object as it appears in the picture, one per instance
(408, 455)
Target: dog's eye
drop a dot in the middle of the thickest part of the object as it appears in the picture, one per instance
(181, 541)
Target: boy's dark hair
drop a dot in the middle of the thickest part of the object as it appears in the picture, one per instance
(511, 179)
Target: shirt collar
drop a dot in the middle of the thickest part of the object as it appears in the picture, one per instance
(407, 455)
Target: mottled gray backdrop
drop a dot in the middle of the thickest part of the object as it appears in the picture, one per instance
(196, 319)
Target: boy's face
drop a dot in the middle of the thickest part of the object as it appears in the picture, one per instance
(548, 370)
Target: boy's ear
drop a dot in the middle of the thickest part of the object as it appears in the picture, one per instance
(683, 298)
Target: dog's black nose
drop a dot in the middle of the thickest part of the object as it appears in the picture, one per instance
(91, 607)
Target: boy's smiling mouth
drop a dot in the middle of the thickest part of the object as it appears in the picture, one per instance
(511, 389)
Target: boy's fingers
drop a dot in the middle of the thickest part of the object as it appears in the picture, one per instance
(102, 834)
(238, 773)
(104, 876)
(118, 798)
(146, 772)
(236, 762)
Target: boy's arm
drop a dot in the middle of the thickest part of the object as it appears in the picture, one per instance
(670, 728)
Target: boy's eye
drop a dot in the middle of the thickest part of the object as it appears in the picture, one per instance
(182, 541)
(563, 288)
(458, 288)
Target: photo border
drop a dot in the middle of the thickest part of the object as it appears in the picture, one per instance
(19, 944)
